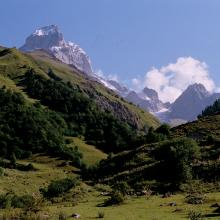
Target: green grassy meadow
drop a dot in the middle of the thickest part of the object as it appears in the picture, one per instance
(153, 208)
(88, 200)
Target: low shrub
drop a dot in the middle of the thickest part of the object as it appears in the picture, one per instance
(195, 215)
(122, 187)
(195, 198)
(1, 171)
(102, 188)
(144, 185)
(101, 214)
(116, 198)
(62, 216)
(58, 187)
(28, 167)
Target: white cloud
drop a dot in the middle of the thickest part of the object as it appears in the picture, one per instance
(171, 80)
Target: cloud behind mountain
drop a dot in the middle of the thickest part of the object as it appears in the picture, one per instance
(171, 80)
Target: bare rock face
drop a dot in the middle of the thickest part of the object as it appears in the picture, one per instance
(119, 88)
(190, 103)
(49, 38)
(147, 99)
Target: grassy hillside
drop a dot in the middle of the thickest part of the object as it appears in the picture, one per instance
(68, 73)
(201, 128)
(91, 155)
(155, 164)
(205, 127)
(29, 182)
(88, 108)
(10, 84)
(14, 64)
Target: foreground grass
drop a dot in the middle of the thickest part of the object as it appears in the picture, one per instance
(153, 208)
(29, 182)
(88, 201)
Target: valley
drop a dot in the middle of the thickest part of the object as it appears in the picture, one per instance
(76, 145)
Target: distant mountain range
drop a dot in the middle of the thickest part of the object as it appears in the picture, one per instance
(185, 108)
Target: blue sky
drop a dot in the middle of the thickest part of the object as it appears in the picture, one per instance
(124, 37)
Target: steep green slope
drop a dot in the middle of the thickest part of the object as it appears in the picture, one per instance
(15, 64)
(87, 107)
(105, 98)
(200, 129)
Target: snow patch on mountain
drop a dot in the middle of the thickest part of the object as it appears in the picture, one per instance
(51, 39)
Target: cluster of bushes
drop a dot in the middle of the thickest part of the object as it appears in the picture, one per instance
(208, 171)
(195, 198)
(27, 129)
(121, 190)
(118, 195)
(116, 198)
(160, 134)
(170, 162)
(59, 187)
(176, 157)
(11, 200)
(12, 164)
(101, 215)
(129, 159)
(81, 113)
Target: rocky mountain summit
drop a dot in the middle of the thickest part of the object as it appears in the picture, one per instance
(147, 99)
(191, 102)
(50, 39)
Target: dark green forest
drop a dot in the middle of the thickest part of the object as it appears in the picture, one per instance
(81, 114)
(27, 129)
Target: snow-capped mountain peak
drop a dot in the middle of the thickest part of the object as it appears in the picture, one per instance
(51, 39)
(46, 30)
